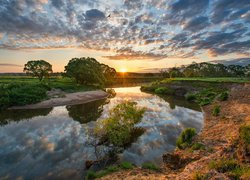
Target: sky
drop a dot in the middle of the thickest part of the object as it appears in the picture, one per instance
(135, 35)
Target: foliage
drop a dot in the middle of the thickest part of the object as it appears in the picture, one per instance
(223, 96)
(185, 139)
(200, 176)
(20, 94)
(216, 110)
(38, 68)
(190, 96)
(231, 167)
(245, 134)
(117, 129)
(126, 165)
(150, 166)
(111, 92)
(197, 146)
(164, 90)
(148, 88)
(89, 71)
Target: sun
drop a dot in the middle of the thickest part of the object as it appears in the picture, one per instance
(123, 70)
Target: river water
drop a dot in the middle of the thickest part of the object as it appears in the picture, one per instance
(50, 143)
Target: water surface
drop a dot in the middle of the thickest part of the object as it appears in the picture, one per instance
(50, 143)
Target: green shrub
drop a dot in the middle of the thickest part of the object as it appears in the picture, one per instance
(148, 88)
(204, 101)
(200, 176)
(185, 139)
(190, 97)
(197, 146)
(216, 110)
(111, 92)
(126, 165)
(231, 167)
(150, 166)
(223, 96)
(90, 175)
(164, 90)
(245, 134)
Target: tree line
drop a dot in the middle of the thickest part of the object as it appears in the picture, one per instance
(207, 70)
(82, 70)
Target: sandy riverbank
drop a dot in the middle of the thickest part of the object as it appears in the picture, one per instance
(220, 137)
(67, 99)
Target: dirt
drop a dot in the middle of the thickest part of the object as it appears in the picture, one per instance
(219, 136)
(60, 98)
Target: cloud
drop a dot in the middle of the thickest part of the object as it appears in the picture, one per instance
(13, 65)
(150, 29)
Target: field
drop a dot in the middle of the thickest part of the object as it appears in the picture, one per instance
(217, 79)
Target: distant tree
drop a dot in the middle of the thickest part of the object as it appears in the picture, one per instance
(175, 72)
(38, 68)
(236, 70)
(164, 73)
(89, 71)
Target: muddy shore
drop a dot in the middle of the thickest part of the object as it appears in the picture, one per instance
(67, 99)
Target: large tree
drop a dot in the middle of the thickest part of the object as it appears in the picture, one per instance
(38, 68)
(89, 71)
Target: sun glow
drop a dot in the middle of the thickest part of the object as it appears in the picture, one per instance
(123, 70)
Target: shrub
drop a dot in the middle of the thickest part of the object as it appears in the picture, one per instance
(216, 110)
(245, 134)
(197, 146)
(126, 165)
(164, 90)
(118, 128)
(148, 88)
(185, 139)
(205, 101)
(190, 97)
(223, 96)
(111, 92)
(150, 166)
(200, 176)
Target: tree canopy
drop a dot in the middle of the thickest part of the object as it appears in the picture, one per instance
(89, 71)
(38, 68)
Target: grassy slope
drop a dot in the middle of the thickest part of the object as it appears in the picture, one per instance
(216, 79)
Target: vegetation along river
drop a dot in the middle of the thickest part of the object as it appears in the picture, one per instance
(51, 142)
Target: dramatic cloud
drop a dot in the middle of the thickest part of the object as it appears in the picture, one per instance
(129, 29)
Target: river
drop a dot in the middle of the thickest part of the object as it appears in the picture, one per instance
(49, 143)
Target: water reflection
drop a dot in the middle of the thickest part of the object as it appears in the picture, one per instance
(85, 113)
(50, 143)
(19, 114)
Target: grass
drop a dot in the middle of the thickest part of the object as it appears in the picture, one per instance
(186, 137)
(16, 90)
(215, 79)
(108, 170)
(245, 134)
(164, 90)
(197, 146)
(216, 110)
(231, 167)
(150, 166)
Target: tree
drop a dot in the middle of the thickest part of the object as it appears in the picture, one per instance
(89, 71)
(38, 68)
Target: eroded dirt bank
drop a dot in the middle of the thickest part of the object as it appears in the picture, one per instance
(67, 99)
(220, 137)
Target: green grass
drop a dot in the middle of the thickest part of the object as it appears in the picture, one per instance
(216, 79)
(164, 90)
(150, 166)
(231, 167)
(108, 170)
(197, 146)
(22, 90)
(185, 139)
(216, 110)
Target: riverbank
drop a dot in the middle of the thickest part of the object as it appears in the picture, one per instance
(221, 145)
(66, 99)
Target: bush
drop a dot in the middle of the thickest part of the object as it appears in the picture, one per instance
(126, 165)
(185, 139)
(111, 92)
(150, 166)
(197, 146)
(190, 97)
(21, 94)
(216, 110)
(200, 176)
(245, 134)
(118, 128)
(148, 88)
(223, 96)
(164, 90)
